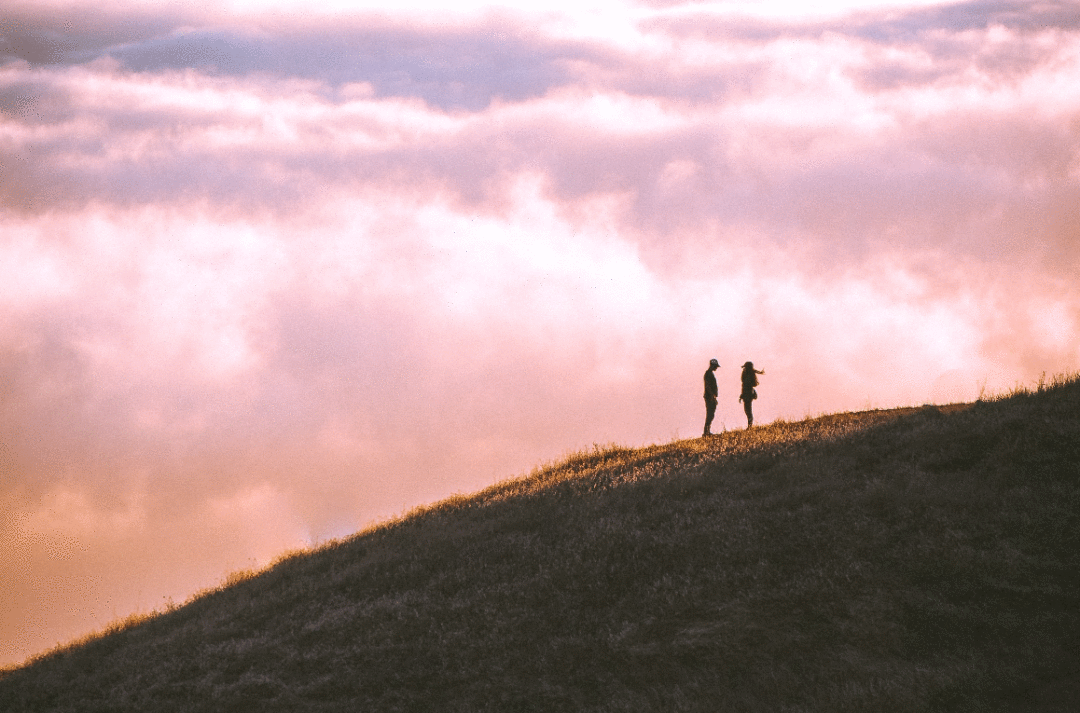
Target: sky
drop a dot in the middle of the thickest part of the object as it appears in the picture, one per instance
(270, 274)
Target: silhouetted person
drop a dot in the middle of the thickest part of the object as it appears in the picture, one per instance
(711, 394)
(749, 393)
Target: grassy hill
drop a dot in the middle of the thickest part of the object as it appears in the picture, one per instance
(902, 560)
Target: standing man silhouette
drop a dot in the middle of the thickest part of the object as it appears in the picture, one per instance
(711, 394)
(749, 393)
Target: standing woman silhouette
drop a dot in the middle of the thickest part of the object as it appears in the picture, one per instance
(749, 393)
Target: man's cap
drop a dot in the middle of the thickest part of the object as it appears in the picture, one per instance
(748, 364)
(713, 362)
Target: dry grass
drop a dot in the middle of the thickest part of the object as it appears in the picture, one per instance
(902, 560)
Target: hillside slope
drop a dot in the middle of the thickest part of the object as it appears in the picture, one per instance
(903, 560)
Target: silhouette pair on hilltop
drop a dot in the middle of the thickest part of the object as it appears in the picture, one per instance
(747, 396)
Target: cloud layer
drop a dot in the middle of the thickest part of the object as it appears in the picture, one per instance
(265, 278)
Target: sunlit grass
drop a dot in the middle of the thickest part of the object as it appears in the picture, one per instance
(893, 560)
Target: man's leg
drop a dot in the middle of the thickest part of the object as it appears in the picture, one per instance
(710, 411)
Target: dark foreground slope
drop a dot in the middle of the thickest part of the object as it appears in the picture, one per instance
(907, 560)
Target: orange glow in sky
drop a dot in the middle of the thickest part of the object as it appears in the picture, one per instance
(268, 276)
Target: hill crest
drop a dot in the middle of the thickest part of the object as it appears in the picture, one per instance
(909, 559)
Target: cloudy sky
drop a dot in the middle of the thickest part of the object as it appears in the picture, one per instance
(269, 274)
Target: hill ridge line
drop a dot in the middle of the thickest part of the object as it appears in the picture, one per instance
(912, 559)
